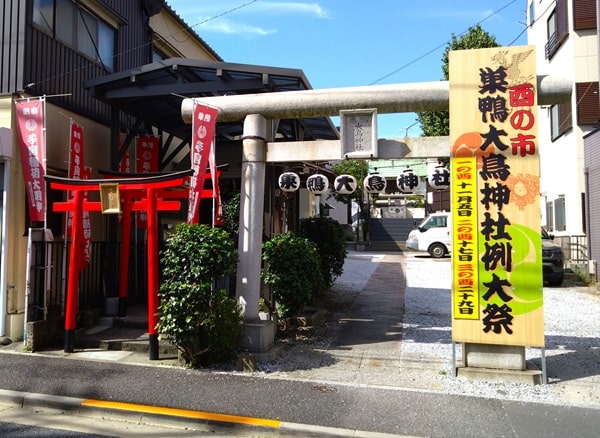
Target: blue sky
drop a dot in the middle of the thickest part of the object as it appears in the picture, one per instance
(346, 43)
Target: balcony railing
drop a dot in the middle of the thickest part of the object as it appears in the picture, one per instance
(554, 42)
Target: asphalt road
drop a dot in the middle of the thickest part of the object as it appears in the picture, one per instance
(352, 407)
(15, 430)
(376, 383)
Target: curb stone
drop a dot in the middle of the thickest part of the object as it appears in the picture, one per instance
(132, 414)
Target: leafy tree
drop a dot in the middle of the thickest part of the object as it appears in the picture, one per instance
(437, 123)
(359, 169)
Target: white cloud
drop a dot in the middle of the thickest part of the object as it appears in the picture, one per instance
(474, 15)
(291, 8)
(241, 20)
(264, 7)
(230, 27)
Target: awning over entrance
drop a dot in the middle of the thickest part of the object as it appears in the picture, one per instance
(153, 93)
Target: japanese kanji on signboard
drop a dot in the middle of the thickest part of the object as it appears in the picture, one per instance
(77, 170)
(358, 133)
(497, 295)
(147, 151)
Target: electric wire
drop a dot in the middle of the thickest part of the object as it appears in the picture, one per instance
(141, 46)
(173, 34)
(408, 64)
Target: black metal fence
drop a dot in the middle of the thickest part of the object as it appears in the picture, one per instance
(99, 280)
(48, 279)
(574, 247)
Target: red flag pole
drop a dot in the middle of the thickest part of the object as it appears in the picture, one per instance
(152, 273)
(212, 165)
(73, 280)
(125, 251)
(44, 164)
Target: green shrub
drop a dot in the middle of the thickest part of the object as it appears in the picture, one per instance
(203, 323)
(231, 216)
(293, 271)
(198, 253)
(330, 238)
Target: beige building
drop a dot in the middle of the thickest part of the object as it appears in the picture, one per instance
(43, 58)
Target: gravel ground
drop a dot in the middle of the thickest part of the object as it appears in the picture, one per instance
(571, 327)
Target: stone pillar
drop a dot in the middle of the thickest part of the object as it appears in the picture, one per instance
(258, 335)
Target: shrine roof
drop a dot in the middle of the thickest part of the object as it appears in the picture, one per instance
(153, 93)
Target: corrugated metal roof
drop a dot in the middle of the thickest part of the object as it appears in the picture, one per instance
(153, 93)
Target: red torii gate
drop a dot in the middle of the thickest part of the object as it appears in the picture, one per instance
(154, 187)
(126, 224)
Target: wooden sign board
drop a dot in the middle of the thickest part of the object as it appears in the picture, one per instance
(110, 199)
(497, 294)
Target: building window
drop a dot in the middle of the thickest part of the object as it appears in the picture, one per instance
(560, 119)
(550, 216)
(43, 14)
(557, 26)
(560, 216)
(583, 212)
(157, 55)
(531, 14)
(584, 14)
(588, 103)
(79, 28)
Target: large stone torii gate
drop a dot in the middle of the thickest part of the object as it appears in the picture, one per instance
(258, 110)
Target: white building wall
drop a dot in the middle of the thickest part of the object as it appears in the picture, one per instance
(592, 157)
(562, 160)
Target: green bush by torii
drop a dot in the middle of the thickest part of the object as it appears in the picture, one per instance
(202, 322)
(293, 270)
(330, 238)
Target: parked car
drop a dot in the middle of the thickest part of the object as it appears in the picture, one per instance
(432, 235)
(552, 260)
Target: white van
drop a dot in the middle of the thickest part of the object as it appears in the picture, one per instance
(432, 235)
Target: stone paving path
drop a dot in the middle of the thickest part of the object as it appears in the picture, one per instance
(367, 347)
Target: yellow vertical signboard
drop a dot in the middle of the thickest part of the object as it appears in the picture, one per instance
(497, 295)
(465, 304)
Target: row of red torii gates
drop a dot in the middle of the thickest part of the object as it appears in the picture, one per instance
(150, 193)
